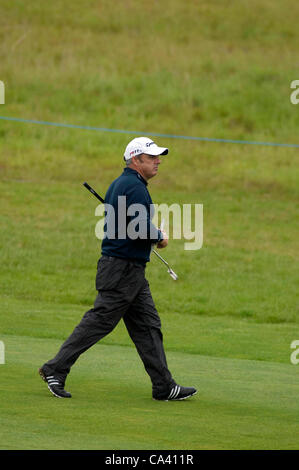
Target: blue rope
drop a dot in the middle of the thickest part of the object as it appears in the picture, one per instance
(152, 134)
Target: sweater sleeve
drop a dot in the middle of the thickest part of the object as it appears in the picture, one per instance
(140, 210)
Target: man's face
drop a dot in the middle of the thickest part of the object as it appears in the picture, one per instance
(147, 165)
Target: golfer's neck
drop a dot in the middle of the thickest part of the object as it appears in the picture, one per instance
(140, 172)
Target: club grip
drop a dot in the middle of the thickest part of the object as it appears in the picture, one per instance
(93, 191)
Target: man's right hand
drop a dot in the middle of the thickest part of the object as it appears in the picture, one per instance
(163, 243)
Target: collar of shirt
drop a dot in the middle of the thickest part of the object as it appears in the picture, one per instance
(130, 171)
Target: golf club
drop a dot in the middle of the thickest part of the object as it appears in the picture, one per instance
(170, 271)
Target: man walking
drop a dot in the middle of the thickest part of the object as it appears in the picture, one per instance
(123, 291)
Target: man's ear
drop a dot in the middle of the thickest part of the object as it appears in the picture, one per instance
(137, 160)
(134, 161)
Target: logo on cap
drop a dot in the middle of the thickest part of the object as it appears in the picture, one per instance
(134, 152)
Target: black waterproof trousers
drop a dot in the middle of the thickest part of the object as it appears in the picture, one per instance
(123, 292)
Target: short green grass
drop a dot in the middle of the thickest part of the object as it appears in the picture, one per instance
(240, 404)
(211, 69)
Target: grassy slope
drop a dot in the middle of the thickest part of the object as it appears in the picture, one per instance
(214, 69)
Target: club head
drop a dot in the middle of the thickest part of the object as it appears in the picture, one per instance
(173, 274)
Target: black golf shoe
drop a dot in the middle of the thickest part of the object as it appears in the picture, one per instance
(55, 387)
(177, 393)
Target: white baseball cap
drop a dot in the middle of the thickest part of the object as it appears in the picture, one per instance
(143, 145)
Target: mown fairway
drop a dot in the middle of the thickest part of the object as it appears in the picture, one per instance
(210, 69)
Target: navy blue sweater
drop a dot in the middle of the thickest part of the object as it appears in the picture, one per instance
(119, 226)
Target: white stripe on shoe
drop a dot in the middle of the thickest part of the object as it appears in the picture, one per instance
(52, 380)
(177, 392)
(174, 392)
